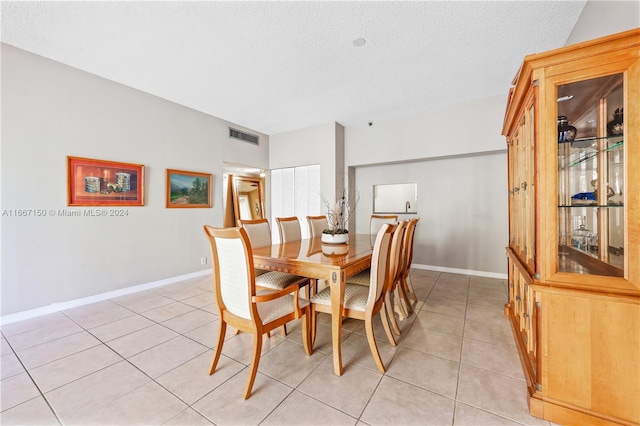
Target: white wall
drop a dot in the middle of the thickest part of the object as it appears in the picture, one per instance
(601, 18)
(322, 144)
(49, 111)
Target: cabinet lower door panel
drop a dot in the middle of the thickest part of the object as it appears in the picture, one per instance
(588, 363)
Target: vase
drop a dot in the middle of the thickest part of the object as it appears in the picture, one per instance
(566, 133)
(616, 126)
(335, 238)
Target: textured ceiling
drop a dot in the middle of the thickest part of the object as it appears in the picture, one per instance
(279, 66)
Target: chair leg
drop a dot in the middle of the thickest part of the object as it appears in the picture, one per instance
(283, 330)
(388, 303)
(306, 333)
(253, 369)
(398, 305)
(385, 323)
(368, 325)
(404, 297)
(314, 324)
(406, 281)
(216, 356)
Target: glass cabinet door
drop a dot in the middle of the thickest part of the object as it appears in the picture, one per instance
(591, 176)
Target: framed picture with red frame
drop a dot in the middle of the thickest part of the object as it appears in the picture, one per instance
(92, 182)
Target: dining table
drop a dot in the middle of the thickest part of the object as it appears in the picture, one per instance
(334, 263)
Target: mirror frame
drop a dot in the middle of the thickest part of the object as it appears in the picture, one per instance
(237, 180)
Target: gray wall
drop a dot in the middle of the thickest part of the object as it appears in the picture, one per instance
(49, 111)
(457, 157)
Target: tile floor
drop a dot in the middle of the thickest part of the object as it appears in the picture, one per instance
(144, 359)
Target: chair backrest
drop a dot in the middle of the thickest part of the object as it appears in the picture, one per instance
(407, 247)
(395, 262)
(289, 229)
(377, 220)
(317, 224)
(233, 276)
(258, 231)
(380, 262)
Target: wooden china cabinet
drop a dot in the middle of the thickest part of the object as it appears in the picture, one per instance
(573, 132)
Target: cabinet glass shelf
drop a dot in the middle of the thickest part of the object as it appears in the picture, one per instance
(591, 178)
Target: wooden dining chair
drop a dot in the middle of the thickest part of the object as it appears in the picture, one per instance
(239, 304)
(364, 302)
(289, 229)
(364, 277)
(317, 224)
(377, 220)
(405, 287)
(259, 234)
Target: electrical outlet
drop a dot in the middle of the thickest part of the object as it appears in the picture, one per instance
(203, 260)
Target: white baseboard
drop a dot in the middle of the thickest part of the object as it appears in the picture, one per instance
(57, 307)
(461, 271)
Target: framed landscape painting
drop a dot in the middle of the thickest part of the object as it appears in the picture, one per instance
(92, 182)
(188, 189)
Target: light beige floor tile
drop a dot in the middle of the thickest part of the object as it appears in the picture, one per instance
(496, 303)
(429, 372)
(5, 349)
(77, 401)
(168, 311)
(200, 300)
(166, 356)
(440, 322)
(378, 329)
(240, 346)
(188, 417)
(16, 390)
(149, 404)
(466, 415)
(36, 323)
(149, 303)
(207, 334)
(355, 350)
(56, 349)
(10, 366)
(47, 333)
(226, 406)
(182, 293)
(300, 409)
(397, 403)
(501, 395)
(34, 412)
(191, 381)
(433, 342)
(499, 359)
(190, 321)
(348, 393)
(497, 334)
(453, 309)
(289, 364)
(141, 340)
(490, 315)
(447, 295)
(121, 327)
(97, 314)
(73, 367)
(211, 308)
(495, 290)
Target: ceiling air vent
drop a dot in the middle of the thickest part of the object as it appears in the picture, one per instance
(247, 137)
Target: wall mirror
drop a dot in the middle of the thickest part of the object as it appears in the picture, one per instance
(248, 199)
(401, 198)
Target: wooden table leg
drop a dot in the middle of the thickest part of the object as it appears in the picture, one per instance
(337, 285)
